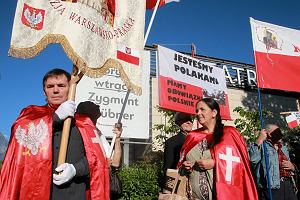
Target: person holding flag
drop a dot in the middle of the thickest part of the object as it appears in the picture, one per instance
(216, 158)
(281, 168)
(30, 163)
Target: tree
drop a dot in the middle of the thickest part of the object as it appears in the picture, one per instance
(249, 122)
(167, 129)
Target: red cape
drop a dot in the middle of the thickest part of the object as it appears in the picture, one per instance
(192, 139)
(238, 182)
(27, 168)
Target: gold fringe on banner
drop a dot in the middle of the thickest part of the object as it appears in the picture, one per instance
(75, 58)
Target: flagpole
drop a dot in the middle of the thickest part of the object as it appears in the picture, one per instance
(151, 21)
(265, 152)
(118, 124)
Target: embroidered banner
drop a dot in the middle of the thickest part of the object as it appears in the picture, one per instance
(89, 32)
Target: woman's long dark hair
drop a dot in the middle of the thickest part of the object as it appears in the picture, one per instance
(218, 131)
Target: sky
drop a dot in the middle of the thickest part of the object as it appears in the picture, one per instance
(218, 28)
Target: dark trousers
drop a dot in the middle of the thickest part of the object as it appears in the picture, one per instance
(285, 192)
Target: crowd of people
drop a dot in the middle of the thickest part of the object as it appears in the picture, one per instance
(214, 157)
(243, 175)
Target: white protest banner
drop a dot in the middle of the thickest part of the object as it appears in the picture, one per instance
(109, 93)
(184, 80)
(89, 31)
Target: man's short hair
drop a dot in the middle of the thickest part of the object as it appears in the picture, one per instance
(181, 118)
(56, 72)
(90, 109)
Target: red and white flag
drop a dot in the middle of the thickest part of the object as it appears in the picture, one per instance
(128, 55)
(293, 120)
(150, 4)
(277, 56)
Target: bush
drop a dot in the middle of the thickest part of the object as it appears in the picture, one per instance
(141, 181)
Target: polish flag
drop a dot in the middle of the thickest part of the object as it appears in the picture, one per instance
(150, 4)
(277, 56)
(128, 55)
(293, 119)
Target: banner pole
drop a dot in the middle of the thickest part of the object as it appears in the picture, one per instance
(265, 152)
(75, 78)
(151, 21)
(118, 124)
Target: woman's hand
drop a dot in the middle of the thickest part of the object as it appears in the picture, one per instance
(187, 165)
(109, 161)
(118, 130)
(205, 164)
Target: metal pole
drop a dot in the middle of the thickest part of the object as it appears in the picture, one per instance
(151, 21)
(119, 121)
(265, 152)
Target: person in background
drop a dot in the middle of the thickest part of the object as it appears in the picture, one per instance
(173, 144)
(215, 158)
(30, 165)
(92, 110)
(281, 168)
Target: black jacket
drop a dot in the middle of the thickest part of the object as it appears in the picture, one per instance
(76, 188)
(172, 151)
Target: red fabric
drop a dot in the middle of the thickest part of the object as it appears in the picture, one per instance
(150, 4)
(192, 139)
(28, 175)
(128, 57)
(111, 4)
(281, 158)
(241, 184)
(99, 171)
(276, 71)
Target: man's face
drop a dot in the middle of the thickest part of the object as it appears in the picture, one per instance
(275, 135)
(56, 89)
(187, 126)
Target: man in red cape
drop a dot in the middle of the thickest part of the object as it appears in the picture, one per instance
(27, 171)
(232, 173)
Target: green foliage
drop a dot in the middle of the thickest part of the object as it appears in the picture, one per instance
(141, 181)
(167, 129)
(249, 123)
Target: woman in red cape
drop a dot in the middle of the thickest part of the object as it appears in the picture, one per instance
(216, 158)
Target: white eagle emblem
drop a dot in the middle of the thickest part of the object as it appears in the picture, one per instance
(35, 136)
(33, 18)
